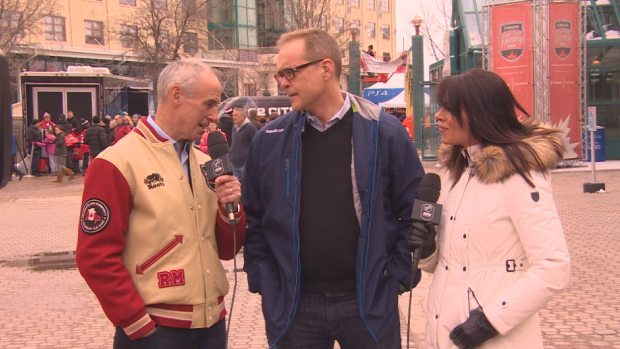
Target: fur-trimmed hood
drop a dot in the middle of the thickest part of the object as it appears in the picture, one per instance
(492, 165)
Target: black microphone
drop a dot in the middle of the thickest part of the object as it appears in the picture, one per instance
(425, 207)
(219, 164)
(425, 210)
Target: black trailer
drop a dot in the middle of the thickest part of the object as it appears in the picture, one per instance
(84, 90)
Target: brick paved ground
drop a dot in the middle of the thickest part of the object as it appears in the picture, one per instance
(55, 309)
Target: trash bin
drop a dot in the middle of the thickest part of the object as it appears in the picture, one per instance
(599, 144)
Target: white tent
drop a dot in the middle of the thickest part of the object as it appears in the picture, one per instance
(397, 102)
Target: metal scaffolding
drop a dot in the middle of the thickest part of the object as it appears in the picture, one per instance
(583, 105)
(540, 64)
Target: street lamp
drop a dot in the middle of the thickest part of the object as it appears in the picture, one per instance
(417, 66)
(417, 22)
(354, 62)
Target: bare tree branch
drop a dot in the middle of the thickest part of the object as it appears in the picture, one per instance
(436, 21)
(161, 29)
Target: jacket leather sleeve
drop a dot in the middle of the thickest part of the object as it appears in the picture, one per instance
(256, 252)
(406, 172)
(104, 219)
(538, 225)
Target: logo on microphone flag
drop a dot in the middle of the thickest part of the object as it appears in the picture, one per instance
(428, 211)
(218, 167)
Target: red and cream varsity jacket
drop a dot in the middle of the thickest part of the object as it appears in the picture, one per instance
(149, 244)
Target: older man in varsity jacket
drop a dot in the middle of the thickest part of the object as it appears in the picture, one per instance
(328, 193)
(152, 231)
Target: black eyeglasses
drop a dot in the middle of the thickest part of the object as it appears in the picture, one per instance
(289, 74)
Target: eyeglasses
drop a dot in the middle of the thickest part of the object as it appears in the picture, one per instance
(289, 74)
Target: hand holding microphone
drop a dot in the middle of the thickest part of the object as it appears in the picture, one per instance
(219, 170)
(421, 236)
(426, 214)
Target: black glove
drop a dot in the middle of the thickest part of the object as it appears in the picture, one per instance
(421, 235)
(473, 332)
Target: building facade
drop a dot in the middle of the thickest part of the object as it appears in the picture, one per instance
(104, 33)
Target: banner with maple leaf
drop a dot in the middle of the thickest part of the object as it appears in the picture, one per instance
(511, 47)
(564, 74)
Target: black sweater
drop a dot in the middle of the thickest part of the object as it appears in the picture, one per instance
(329, 229)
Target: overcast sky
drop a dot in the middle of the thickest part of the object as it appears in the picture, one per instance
(405, 11)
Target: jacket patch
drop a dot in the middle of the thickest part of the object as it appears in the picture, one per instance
(535, 196)
(275, 130)
(171, 278)
(154, 180)
(95, 216)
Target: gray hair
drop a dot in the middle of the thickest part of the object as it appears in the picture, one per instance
(318, 44)
(241, 111)
(182, 72)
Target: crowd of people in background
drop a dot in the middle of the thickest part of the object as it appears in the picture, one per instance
(67, 147)
(239, 130)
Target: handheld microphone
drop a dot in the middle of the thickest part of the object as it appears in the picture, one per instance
(425, 210)
(425, 207)
(219, 164)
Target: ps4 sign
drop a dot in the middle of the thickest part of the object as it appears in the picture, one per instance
(381, 95)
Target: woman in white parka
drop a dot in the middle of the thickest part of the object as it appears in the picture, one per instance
(501, 252)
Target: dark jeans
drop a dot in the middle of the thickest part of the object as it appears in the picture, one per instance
(69, 159)
(322, 319)
(85, 162)
(164, 337)
(34, 165)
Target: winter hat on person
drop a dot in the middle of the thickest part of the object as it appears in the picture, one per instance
(46, 114)
(96, 119)
(83, 122)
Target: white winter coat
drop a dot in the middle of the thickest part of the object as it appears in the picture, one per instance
(501, 247)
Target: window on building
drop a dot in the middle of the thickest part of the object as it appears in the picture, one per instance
(55, 28)
(250, 90)
(384, 5)
(385, 31)
(93, 31)
(371, 28)
(386, 57)
(191, 43)
(189, 5)
(339, 2)
(339, 24)
(10, 21)
(356, 24)
(128, 35)
(324, 23)
(127, 2)
(164, 37)
(355, 3)
(160, 4)
(370, 4)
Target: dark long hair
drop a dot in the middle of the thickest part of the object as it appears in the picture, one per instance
(489, 106)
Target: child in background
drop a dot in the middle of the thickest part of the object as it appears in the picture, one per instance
(50, 148)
